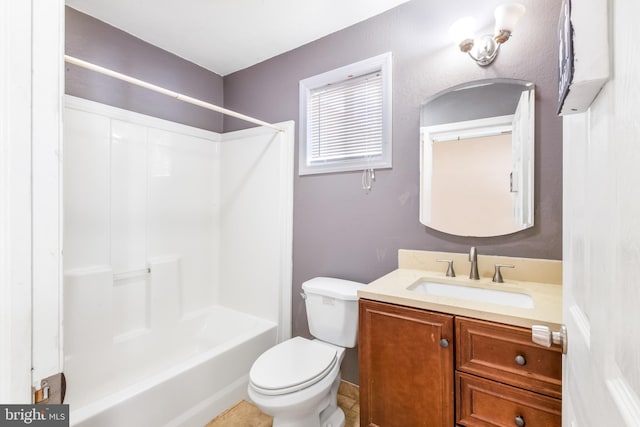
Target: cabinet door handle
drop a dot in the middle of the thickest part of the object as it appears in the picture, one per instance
(444, 343)
(519, 421)
(520, 360)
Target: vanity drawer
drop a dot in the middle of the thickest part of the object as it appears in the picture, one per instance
(507, 354)
(484, 403)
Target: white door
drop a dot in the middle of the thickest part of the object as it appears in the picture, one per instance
(47, 76)
(601, 371)
(601, 242)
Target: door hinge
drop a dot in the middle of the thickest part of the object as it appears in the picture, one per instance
(52, 390)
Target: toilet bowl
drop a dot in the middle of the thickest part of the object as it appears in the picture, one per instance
(297, 380)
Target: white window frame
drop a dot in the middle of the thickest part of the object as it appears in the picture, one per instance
(381, 63)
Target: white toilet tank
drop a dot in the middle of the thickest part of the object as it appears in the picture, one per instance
(332, 310)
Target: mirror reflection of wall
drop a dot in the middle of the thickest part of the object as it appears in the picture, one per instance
(477, 158)
(479, 168)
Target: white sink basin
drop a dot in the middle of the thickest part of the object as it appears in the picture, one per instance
(493, 296)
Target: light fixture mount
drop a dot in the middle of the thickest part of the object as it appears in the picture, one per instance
(484, 49)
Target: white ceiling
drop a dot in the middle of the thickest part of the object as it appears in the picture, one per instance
(225, 36)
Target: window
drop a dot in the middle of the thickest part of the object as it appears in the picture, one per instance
(345, 118)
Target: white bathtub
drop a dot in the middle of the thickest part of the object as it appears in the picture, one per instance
(184, 376)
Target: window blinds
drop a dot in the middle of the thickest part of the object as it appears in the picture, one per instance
(346, 120)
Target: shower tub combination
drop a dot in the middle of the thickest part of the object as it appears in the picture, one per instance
(177, 268)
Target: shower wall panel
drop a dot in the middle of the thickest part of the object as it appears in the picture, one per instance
(141, 206)
(128, 197)
(256, 223)
(86, 191)
(184, 197)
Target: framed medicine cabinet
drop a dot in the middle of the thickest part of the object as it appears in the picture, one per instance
(477, 158)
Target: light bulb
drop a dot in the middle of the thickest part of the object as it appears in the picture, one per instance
(507, 16)
(462, 32)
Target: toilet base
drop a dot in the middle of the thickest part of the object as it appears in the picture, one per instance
(335, 419)
(330, 416)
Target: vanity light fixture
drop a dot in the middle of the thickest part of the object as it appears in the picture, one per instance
(484, 49)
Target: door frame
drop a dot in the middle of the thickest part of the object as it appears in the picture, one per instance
(31, 88)
(15, 201)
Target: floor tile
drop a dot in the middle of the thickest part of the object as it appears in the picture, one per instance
(246, 414)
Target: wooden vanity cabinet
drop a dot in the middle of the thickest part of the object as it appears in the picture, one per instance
(406, 366)
(407, 376)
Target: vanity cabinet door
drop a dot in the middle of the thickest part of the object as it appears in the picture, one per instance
(406, 367)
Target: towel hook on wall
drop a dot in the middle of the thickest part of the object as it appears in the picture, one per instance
(368, 177)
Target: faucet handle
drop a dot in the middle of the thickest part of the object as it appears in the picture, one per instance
(450, 272)
(497, 276)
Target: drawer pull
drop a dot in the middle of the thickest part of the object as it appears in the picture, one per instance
(519, 421)
(520, 360)
(444, 343)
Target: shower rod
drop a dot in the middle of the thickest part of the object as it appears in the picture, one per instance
(179, 96)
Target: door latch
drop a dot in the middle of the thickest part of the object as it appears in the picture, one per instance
(42, 394)
(52, 390)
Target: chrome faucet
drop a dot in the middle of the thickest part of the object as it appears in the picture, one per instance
(473, 259)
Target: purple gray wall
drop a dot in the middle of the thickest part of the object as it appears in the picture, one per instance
(95, 41)
(338, 229)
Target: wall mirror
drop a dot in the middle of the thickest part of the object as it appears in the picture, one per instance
(477, 158)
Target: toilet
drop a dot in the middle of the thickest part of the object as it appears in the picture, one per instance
(297, 380)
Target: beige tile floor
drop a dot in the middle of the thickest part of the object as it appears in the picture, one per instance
(245, 414)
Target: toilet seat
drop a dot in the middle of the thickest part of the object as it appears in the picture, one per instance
(292, 365)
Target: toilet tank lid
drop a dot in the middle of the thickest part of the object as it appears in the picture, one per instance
(331, 287)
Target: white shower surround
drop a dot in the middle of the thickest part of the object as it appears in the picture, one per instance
(177, 254)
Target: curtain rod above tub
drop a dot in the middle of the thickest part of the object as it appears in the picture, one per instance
(179, 96)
